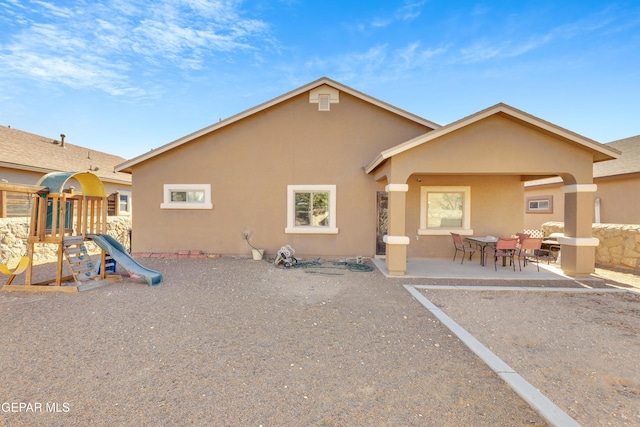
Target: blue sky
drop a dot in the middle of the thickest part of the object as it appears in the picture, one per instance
(126, 76)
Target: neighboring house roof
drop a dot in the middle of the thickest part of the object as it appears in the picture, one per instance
(600, 151)
(627, 163)
(126, 166)
(29, 152)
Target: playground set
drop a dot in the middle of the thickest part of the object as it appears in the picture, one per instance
(68, 219)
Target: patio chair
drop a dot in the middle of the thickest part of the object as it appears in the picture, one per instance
(462, 246)
(522, 236)
(529, 249)
(505, 248)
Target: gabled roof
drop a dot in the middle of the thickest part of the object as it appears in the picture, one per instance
(29, 152)
(600, 151)
(126, 166)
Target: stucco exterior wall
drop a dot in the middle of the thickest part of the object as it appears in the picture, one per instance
(619, 201)
(497, 145)
(492, 210)
(249, 165)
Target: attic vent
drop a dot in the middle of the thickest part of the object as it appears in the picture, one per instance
(324, 96)
(323, 102)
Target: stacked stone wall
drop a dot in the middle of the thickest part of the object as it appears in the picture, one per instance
(13, 239)
(619, 243)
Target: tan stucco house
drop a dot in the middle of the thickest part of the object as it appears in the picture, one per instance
(27, 157)
(334, 172)
(615, 200)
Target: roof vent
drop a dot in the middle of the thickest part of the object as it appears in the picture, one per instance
(62, 136)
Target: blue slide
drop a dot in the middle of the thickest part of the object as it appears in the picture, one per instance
(119, 253)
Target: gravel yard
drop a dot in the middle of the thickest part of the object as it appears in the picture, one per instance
(237, 342)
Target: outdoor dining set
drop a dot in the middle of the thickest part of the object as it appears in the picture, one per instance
(521, 247)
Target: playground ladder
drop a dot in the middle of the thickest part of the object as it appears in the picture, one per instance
(80, 263)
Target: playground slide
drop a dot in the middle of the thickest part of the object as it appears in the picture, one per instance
(119, 253)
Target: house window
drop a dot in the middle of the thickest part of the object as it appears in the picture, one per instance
(445, 209)
(187, 196)
(124, 203)
(311, 209)
(540, 204)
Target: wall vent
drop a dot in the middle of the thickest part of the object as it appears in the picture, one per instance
(323, 102)
(324, 96)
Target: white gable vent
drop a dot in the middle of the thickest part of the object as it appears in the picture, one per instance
(324, 96)
(323, 102)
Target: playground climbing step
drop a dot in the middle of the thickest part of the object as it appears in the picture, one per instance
(78, 258)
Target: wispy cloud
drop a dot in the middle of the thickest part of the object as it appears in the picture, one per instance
(515, 43)
(98, 45)
(409, 11)
(382, 62)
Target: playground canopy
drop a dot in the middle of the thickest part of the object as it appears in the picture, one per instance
(90, 183)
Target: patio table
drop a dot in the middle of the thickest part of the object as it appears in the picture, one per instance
(482, 242)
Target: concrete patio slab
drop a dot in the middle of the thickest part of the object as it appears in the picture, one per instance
(445, 268)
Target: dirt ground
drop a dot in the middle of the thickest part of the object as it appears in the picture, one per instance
(580, 350)
(237, 342)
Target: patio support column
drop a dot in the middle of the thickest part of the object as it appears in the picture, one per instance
(578, 246)
(396, 241)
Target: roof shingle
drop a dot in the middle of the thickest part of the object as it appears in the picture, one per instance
(24, 150)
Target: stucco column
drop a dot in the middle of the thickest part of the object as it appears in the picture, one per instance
(396, 241)
(578, 246)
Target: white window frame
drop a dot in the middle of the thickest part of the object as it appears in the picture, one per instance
(126, 194)
(292, 228)
(170, 188)
(466, 211)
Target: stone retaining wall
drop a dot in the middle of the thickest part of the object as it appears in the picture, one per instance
(13, 239)
(619, 243)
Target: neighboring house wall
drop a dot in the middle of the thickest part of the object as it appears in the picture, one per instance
(619, 199)
(617, 196)
(249, 166)
(618, 184)
(27, 177)
(551, 193)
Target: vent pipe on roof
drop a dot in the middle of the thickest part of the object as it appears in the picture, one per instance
(62, 136)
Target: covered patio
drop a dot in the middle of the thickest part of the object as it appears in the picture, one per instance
(478, 166)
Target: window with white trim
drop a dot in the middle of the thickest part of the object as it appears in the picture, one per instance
(445, 209)
(124, 202)
(187, 196)
(311, 209)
